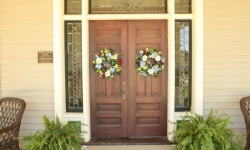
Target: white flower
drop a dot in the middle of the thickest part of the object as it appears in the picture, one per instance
(98, 61)
(115, 56)
(107, 73)
(144, 57)
(150, 71)
(157, 58)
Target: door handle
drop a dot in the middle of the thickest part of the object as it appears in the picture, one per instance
(124, 91)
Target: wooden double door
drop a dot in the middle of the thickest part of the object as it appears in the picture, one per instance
(143, 110)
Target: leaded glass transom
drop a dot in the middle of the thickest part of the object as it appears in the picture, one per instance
(182, 65)
(128, 6)
(73, 6)
(182, 6)
(74, 65)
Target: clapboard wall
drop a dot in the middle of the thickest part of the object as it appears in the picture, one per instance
(227, 57)
(26, 29)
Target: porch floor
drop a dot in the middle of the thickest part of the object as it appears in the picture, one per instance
(129, 147)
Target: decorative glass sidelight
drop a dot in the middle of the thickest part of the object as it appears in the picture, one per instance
(73, 57)
(127, 6)
(182, 6)
(182, 65)
(73, 6)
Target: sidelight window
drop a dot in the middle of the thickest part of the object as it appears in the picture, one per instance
(182, 65)
(73, 66)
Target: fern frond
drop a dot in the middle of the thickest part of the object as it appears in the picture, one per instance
(55, 136)
(195, 132)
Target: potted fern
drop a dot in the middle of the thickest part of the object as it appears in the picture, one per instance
(196, 133)
(56, 136)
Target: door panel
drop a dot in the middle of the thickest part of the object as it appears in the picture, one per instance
(148, 97)
(108, 110)
(144, 112)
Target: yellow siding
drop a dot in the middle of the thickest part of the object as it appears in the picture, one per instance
(226, 57)
(25, 29)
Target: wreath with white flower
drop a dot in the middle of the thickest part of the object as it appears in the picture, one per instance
(107, 63)
(149, 62)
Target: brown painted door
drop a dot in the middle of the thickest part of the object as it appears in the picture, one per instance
(144, 111)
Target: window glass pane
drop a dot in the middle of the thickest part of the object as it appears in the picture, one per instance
(73, 6)
(127, 6)
(73, 66)
(182, 6)
(182, 65)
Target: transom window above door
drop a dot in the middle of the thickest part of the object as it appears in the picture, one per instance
(126, 6)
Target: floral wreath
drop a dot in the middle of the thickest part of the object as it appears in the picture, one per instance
(149, 62)
(107, 63)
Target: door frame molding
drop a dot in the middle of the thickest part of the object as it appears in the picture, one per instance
(58, 50)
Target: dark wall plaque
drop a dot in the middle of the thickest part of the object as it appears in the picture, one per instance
(45, 57)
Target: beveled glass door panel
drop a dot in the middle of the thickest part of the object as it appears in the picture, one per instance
(127, 6)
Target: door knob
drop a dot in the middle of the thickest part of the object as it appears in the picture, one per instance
(124, 91)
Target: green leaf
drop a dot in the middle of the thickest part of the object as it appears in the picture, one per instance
(55, 136)
(211, 133)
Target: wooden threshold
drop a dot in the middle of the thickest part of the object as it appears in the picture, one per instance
(128, 141)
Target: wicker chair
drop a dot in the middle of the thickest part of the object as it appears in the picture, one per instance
(11, 112)
(245, 108)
